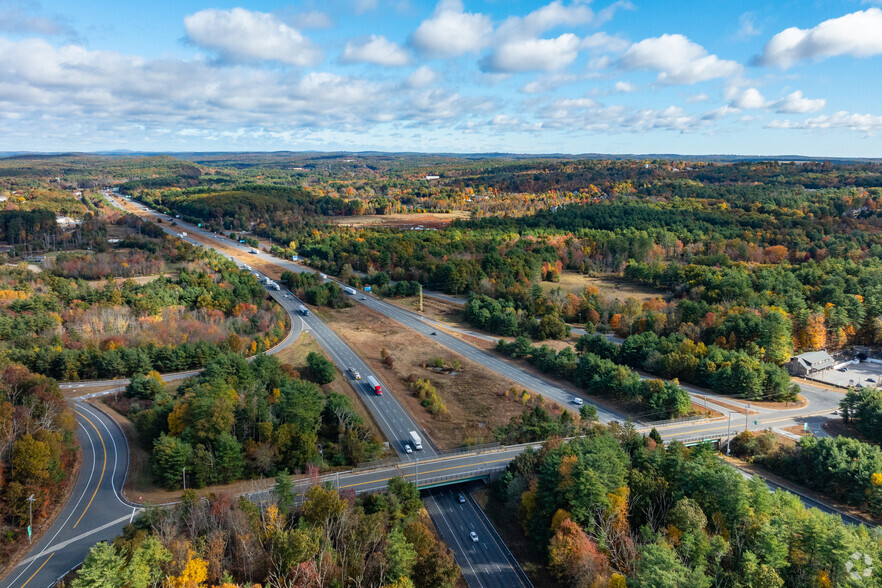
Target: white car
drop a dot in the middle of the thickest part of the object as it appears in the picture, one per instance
(474, 536)
(577, 401)
(407, 448)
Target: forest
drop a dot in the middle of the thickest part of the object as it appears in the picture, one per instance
(318, 539)
(616, 508)
(38, 450)
(241, 419)
(70, 328)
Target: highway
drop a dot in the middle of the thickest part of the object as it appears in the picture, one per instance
(396, 422)
(96, 510)
(485, 563)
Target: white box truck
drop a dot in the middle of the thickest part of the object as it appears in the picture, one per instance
(375, 385)
(303, 310)
(350, 291)
(416, 441)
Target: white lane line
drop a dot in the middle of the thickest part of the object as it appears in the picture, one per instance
(453, 534)
(73, 510)
(65, 543)
(100, 418)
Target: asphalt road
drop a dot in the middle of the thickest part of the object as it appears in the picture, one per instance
(95, 512)
(485, 563)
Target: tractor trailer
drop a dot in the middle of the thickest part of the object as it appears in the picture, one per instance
(417, 442)
(303, 310)
(375, 385)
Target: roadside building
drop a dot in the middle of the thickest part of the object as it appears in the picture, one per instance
(810, 363)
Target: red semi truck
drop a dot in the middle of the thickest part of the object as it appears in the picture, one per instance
(375, 385)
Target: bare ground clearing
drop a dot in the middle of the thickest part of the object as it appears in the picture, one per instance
(474, 395)
(428, 220)
(610, 286)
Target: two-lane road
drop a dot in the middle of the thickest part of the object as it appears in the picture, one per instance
(95, 512)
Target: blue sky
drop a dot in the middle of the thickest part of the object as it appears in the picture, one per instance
(629, 76)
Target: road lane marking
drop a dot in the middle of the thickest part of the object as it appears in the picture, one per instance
(38, 570)
(65, 543)
(103, 468)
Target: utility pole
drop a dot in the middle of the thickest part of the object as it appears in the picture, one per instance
(30, 500)
(729, 434)
(416, 477)
(421, 298)
(184, 477)
(746, 417)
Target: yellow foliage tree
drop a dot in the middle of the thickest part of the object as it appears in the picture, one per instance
(194, 575)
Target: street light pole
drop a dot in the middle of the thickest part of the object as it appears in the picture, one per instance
(747, 416)
(184, 477)
(729, 434)
(416, 477)
(30, 500)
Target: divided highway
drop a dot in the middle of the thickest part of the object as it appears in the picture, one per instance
(392, 418)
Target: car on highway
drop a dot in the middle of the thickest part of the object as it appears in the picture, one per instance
(577, 401)
(871, 380)
(460, 498)
(355, 373)
(836, 412)
(474, 536)
(408, 449)
(434, 332)
(364, 297)
(843, 369)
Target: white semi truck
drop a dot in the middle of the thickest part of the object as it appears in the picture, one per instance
(416, 441)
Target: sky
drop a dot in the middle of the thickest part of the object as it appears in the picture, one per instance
(459, 76)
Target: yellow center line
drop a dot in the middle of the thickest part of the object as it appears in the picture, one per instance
(103, 468)
(38, 570)
(469, 465)
(765, 422)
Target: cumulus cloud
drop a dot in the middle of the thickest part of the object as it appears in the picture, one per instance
(677, 59)
(795, 103)
(533, 55)
(377, 50)
(422, 77)
(451, 31)
(624, 87)
(745, 98)
(546, 18)
(243, 35)
(867, 123)
(696, 98)
(604, 42)
(858, 34)
(588, 115)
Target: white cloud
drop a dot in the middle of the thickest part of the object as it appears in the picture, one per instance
(795, 103)
(451, 31)
(586, 114)
(17, 19)
(858, 34)
(677, 59)
(745, 98)
(721, 112)
(746, 26)
(243, 35)
(533, 55)
(362, 6)
(867, 123)
(548, 83)
(422, 77)
(604, 42)
(546, 18)
(624, 87)
(696, 98)
(377, 50)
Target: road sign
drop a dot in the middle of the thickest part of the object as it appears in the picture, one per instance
(805, 426)
(29, 531)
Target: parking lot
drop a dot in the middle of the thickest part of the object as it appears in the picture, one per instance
(854, 375)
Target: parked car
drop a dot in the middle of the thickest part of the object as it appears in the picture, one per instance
(407, 448)
(474, 536)
(460, 498)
